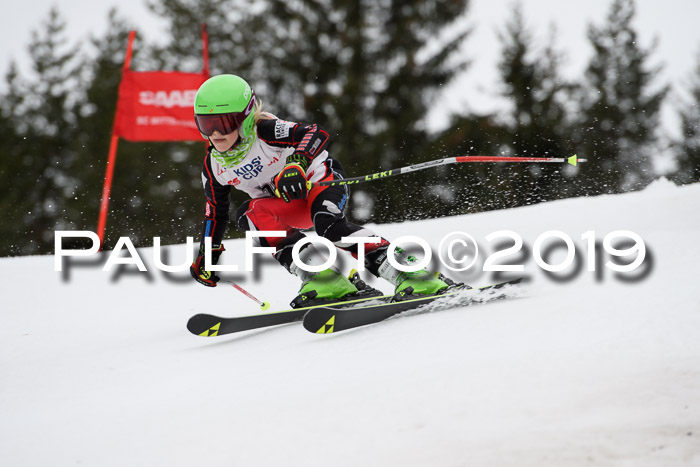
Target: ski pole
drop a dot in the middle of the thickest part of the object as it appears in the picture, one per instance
(573, 160)
(263, 304)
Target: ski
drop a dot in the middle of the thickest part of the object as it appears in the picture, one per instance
(330, 319)
(207, 325)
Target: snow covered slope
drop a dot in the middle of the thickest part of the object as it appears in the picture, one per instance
(98, 369)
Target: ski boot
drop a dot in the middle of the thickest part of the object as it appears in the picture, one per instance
(363, 290)
(419, 283)
(412, 284)
(329, 286)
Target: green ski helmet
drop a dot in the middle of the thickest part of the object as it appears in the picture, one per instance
(225, 103)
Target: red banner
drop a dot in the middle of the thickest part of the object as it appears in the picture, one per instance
(152, 106)
(157, 106)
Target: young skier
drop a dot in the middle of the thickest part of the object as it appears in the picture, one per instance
(272, 160)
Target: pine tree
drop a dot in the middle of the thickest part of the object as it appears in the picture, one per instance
(410, 78)
(366, 71)
(537, 119)
(469, 188)
(13, 207)
(689, 147)
(369, 74)
(43, 113)
(620, 112)
(97, 114)
(237, 34)
(157, 186)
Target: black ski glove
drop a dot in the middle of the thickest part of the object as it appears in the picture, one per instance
(197, 270)
(291, 182)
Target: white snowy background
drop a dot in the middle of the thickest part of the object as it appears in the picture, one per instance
(98, 368)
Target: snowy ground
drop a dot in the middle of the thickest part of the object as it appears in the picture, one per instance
(98, 369)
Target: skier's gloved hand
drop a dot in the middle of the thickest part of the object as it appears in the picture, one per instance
(291, 182)
(199, 273)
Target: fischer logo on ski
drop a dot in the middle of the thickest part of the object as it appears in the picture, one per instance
(328, 327)
(212, 331)
(330, 319)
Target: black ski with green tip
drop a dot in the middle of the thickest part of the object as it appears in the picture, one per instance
(330, 319)
(210, 325)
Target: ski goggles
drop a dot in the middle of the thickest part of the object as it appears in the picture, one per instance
(226, 123)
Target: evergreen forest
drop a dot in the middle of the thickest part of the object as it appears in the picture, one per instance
(369, 72)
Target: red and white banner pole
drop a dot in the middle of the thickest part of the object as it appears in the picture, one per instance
(151, 106)
(112, 157)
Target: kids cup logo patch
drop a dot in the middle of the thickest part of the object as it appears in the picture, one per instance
(250, 170)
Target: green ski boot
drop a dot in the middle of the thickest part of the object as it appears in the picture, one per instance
(418, 283)
(412, 284)
(322, 288)
(327, 286)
